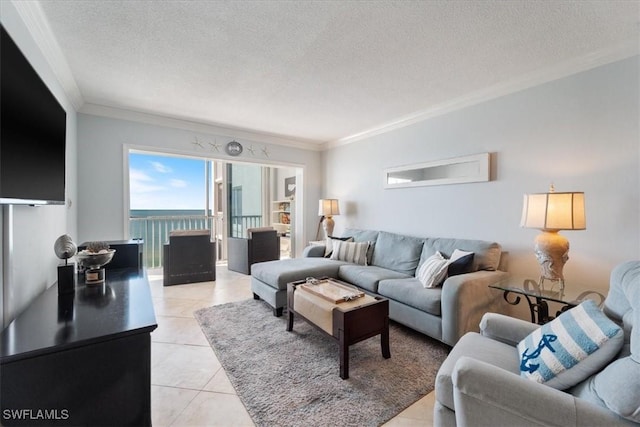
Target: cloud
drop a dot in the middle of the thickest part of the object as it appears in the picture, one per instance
(160, 167)
(138, 175)
(178, 183)
(140, 182)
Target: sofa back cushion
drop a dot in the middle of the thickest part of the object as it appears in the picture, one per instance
(361, 235)
(397, 252)
(486, 254)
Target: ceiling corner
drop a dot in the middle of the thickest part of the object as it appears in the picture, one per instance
(38, 27)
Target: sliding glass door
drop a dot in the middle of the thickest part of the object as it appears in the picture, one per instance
(168, 192)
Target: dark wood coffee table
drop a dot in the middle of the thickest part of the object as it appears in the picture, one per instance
(350, 322)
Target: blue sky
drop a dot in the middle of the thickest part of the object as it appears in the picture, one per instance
(164, 182)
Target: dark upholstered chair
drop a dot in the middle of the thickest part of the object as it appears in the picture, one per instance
(189, 257)
(261, 244)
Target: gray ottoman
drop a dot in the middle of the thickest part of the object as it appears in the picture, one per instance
(269, 279)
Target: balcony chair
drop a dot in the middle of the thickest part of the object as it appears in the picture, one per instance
(479, 384)
(189, 257)
(261, 244)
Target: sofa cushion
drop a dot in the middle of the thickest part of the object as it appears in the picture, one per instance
(461, 262)
(397, 252)
(328, 247)
(480, 348)
(353, 252)
(412, 293)
(432, 272)
(278, 273)
(486, 254)
(367, 277)
(364, 236)
(571, 347)
(361, 235)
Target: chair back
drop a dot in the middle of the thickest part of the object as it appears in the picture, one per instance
(265, 245)
(616, 387)
(623, 305)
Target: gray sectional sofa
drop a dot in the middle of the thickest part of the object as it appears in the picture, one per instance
(445, 313)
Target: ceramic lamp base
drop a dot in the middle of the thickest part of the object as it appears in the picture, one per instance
(328, 225)
(552, 252)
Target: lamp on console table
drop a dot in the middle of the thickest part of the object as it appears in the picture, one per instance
(552, 212)
(327, 208)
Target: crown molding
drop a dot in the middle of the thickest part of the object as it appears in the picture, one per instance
(38, 27)
(536, 78)
(201, 127)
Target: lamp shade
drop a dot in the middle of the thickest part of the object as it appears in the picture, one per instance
(554, 211)
(328, 207)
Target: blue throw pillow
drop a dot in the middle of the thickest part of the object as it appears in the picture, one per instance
(570, 348)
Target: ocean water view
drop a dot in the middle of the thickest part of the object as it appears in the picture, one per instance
(144, 213)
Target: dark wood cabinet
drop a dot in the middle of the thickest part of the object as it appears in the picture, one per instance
(81, 359)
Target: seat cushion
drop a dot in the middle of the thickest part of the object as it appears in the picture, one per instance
(412, 293)
(480, 348)
(367, 277)
(278, 273)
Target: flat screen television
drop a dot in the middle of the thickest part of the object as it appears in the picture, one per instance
(32, 133)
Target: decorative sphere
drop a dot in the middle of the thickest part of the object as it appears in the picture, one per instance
(64, 247)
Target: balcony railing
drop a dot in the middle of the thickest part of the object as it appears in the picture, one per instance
(154, 230)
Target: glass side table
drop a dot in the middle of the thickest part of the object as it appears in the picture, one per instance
(538, 299)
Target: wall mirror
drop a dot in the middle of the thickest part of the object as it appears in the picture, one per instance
(458, 170)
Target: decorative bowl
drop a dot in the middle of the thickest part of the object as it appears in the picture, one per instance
(95, 260)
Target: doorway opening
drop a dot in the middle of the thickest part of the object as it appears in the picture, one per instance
(171, 192)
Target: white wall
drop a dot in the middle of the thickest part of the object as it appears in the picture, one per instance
(281, 175)
(102, 144)
(581, 133)
(28, 261)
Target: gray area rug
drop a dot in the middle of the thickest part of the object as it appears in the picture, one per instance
(292, 378)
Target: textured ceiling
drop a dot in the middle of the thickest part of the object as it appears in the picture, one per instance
(320, 71)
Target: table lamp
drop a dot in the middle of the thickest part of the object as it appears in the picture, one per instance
(552, 212)
(327, 208)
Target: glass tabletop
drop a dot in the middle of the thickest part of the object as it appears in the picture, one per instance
(530, 287)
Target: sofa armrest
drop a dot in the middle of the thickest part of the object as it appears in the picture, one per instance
(465, 299)
(506, 329)
(313, 251)
(486, 395)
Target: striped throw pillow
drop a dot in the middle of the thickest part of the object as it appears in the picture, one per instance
(354, 252)
(433, 270)
(571, 347)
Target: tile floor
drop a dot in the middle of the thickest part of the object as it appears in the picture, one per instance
(188, 385)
